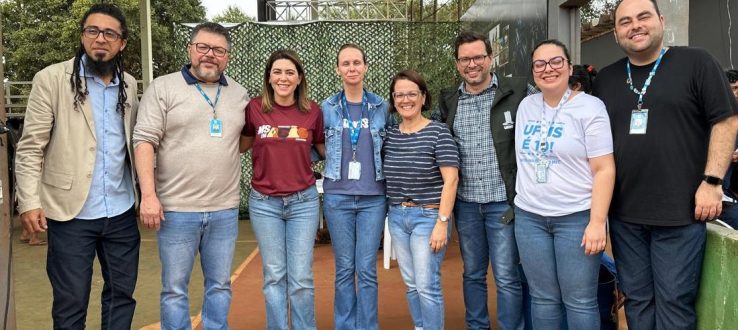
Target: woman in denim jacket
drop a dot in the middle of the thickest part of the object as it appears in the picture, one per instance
(354, 200)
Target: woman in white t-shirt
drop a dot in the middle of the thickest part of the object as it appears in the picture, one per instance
(566, 174)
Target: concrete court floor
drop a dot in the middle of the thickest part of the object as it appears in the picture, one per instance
(33, 291)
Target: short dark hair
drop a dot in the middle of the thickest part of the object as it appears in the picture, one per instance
(354, 46)
(212, 28)
(732, 75)
(655, 6)
(584, 75)
(466, 37)
(415, 77)
(554, 42)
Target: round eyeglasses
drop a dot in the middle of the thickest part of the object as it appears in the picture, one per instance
(555, 63)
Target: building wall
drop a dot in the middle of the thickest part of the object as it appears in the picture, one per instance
(711, 29)
(601, 51)
(513, 27)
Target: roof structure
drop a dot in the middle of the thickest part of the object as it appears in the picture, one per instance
(342, 10)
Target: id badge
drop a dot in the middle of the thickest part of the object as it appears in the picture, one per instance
(639, 121)
(354, 170)
(216, 128)
(542, 171)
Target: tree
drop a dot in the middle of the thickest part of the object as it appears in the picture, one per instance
(232, 14)
(165, 15)
(37, 33)
(596, 8)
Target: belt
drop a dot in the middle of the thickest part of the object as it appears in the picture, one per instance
(425, 206)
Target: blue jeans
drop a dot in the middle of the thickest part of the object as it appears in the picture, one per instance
(356, 224)
(71, 253)
(285, 229)
(180, 238)
(411, 229)
(659, 270)
(558, 271)
(484, 238)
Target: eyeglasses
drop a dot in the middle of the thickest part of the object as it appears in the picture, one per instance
(479, 59)
(94, 32)
(205, 48)
(557, 62)
(412, 95)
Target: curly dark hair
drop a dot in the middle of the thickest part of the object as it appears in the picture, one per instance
(732, 75)
(584, 75)
(80, 89)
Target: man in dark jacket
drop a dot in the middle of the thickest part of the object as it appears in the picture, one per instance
(480, 113)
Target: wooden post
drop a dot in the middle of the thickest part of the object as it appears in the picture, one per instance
(7, 304)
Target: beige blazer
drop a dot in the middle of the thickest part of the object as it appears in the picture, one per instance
(56, 153)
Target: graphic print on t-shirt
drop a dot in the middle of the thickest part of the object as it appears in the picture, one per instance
(283, 132)
(531, 143)
(355, 123)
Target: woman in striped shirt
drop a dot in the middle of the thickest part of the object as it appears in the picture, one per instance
(421, 169)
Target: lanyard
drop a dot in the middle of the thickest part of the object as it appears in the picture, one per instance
(642, 92)
(543, 134)
(354, 129)
(207, 99)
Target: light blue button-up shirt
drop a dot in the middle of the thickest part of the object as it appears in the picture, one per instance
(111, 191)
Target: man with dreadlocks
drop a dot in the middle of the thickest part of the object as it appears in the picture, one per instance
(75, 174)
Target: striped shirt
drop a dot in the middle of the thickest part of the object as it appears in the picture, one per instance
(412, 161)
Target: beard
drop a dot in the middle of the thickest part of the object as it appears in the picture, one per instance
(99, 67)
(206, 75)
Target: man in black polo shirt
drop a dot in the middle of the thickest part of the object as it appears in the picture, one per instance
(674, 129)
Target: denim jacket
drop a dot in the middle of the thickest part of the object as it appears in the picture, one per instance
(333, 121)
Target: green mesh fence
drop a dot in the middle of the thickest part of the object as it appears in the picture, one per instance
(389, 46)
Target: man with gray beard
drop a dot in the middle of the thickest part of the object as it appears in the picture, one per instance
(192, 120)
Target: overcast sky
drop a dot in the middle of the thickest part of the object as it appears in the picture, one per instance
(215, 7)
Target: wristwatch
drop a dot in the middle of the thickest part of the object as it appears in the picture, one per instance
(713, 180)
(442, 218)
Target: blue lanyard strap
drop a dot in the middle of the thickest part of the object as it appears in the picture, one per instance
(543, 134)
(354, 130)
(207, 99)
(642, 92)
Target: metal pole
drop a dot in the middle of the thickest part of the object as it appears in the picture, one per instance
(147, 67)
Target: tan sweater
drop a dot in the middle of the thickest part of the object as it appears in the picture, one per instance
(194, 171)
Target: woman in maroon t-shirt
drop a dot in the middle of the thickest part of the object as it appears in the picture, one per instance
(282, 126)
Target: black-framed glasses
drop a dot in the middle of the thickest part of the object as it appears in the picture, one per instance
(556, 63)
(411, 95)
(92, 32)
(479, 59)
(205, 48)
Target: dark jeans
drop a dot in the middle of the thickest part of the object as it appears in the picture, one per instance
(484, 239)
(71, 253)
(659, 270)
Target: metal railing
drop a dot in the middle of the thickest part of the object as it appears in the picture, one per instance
(344, 10)
(16, 97)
